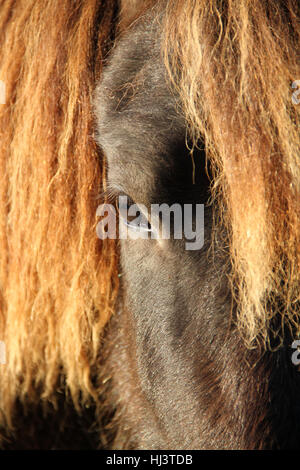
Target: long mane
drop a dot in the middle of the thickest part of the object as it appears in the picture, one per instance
(232, 63)
(58, 281)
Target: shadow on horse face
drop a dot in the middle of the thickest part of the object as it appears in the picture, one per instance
(180, 371)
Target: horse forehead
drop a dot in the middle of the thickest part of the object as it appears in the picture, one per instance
(137, 119)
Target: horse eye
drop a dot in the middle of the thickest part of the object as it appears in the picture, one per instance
(132, 216)
(138, 224)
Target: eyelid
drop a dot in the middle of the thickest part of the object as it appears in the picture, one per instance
(112, 193)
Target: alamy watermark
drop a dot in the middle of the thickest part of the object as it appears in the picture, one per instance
(296, 354)
(162, 222)
(296, 94)
(2, 353)
(2, 92)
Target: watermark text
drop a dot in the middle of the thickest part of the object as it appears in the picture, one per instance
(2, 353)
(2, 92)
(161, 222)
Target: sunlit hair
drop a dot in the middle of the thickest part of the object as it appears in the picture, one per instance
(57, 281)
(232, 63)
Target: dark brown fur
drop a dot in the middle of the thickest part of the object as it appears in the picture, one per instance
(181, 375)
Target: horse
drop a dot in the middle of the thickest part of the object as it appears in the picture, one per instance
(141, 343)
